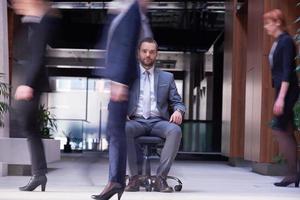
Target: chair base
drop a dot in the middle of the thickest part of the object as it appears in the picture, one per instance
(148, 182)
(149, 145)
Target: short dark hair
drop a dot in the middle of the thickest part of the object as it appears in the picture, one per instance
(149, 40)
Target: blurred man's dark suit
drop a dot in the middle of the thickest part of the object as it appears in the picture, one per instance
(121, 67)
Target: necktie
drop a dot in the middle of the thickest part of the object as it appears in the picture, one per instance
(147, 96)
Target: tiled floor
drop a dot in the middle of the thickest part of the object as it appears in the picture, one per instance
(78, 176)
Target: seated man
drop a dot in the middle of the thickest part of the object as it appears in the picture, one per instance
(150, 98)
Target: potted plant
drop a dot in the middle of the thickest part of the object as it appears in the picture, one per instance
(47, 122)
(67, 146)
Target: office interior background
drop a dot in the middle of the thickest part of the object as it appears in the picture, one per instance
(217, 51)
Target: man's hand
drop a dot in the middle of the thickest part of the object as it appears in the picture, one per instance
(24, 92)
(278, 106)
(176, 117)
(118, 92)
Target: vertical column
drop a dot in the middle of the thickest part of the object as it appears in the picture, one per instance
(4, 57)
(4, 68)
(3, 39)
(255, 101)
(234, 84)
(227, 79)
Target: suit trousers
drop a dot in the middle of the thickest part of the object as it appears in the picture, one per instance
(27, 112)
(153, 127)
(117, 141)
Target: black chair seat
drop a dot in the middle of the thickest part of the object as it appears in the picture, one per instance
(149, 140)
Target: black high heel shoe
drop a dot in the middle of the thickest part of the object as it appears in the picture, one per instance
(288, 181)
(112, 189)
(34, 182)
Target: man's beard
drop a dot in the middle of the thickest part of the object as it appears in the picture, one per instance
(148, 65)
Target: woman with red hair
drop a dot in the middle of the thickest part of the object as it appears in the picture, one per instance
(284, 79)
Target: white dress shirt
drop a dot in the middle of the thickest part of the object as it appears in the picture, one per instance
(31, 19)
(154, 111)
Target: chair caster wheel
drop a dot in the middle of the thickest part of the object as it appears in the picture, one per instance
(178, 188)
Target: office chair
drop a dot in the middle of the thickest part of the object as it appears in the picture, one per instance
(150, 145)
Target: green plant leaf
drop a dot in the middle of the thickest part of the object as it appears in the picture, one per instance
(279, 159)
(4, 93)
(4, 107)
(47, 122)
(296, 110)
(4, 90)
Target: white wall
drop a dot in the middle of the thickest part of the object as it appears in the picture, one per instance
(4, 132)
(206, 98)
(15, 151)
(4, 55)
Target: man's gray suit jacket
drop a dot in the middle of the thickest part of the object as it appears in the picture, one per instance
(166, 95)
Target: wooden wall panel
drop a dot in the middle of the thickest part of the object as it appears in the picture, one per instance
(254, 80)
(290, 11)
(239, 84)
(260, 145)
(249, 120)
(269, 145)
(234, 82)
(227, 79)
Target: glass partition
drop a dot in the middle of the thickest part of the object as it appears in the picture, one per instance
(197, 136)
(80, 106)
